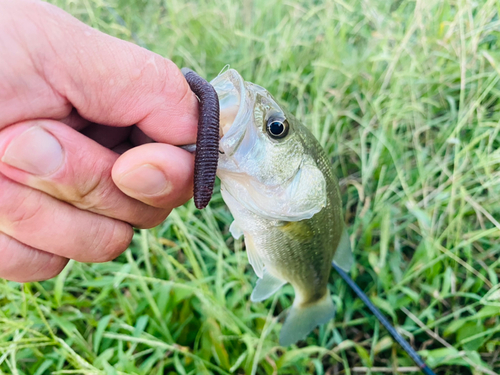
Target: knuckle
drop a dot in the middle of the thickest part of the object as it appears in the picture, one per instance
(53, 268)
(100, 195)
(175, 85)
(20, 207)
(109, 241)
(22, 215)
(150, 217)
(93, 194)
(24, 208)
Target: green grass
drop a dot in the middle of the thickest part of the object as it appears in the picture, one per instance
(404, 96)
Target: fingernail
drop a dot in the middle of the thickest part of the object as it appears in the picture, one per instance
(147, 180)
(35, 151)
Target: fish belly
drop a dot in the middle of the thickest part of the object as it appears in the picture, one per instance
(300, 253)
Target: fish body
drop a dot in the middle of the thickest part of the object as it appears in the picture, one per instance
(279, 186)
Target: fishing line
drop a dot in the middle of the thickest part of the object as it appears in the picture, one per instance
(382, 319)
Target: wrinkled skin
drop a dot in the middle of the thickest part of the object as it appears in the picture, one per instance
(79, 109)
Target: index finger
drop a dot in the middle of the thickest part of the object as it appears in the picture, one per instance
(109, 81)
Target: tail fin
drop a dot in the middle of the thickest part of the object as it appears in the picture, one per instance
(302, 319)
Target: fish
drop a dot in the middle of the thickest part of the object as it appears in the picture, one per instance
(279, 185)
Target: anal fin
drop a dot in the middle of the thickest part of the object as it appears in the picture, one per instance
(266, 287)
(343, 255)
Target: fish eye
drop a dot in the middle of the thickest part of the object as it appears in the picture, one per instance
(277, 128)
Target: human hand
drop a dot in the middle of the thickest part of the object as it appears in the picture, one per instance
(72, 99)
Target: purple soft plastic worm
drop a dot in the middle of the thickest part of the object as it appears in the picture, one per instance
(207, 142)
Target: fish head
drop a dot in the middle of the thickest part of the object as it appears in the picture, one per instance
(265, 166)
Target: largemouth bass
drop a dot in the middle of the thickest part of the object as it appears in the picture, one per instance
(279, 186)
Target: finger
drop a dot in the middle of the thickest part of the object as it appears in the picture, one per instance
(53, 158)
(45, 223)
(25, 93)
(135, 170)
(109, 81)
(23, 264)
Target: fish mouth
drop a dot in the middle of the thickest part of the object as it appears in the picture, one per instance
(235, 109)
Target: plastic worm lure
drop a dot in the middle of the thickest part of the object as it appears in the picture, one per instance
(206, 154)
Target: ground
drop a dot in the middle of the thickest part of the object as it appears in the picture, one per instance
(404, 96)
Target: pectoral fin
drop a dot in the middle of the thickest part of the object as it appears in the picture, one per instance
(235, 230)
(253, 256)
(266, 287)
(343, 255)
